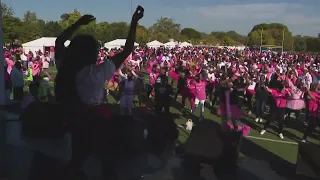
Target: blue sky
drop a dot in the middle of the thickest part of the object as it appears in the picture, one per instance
(301, 16)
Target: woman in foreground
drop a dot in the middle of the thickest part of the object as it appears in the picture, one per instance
(80, 85)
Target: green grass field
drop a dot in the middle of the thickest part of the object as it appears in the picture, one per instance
(264, 147)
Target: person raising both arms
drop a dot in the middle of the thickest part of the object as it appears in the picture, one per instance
(76, 64)
(79, 87)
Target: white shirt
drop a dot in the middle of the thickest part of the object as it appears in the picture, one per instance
(23, 57)
(45, 63)
(91, 81)
(211, 77)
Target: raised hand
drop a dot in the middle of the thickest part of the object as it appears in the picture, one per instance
(138, 14)
(86, 19)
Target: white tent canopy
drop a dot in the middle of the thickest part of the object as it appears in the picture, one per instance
(185, 44)
(118, 43)
(170, 44)
(41, 43)
(154, 44)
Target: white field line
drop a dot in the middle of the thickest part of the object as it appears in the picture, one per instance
(271, 140)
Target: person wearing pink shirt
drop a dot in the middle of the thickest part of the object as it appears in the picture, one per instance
(152, 79)
(35, 70)
(200, 84)
(313, 111)
(279, 107)
(10, 64)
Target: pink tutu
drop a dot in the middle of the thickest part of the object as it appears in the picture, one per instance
(244, 129)
(149, 70)
(235, 111)
(295, 104)
(174, 75)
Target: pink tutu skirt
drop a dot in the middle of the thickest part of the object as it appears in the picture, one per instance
(235, 111)
(174, 75)
(295, 104)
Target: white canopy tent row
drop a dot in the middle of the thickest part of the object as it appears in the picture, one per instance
(154, 44)
(171, 44)
(118, 43)
(41, 44)
(185, 44)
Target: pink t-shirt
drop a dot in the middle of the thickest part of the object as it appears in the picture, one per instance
(201, 90)
(192, 89)
(280, 98)
(153, 77)
(35, 68)
(10, 64)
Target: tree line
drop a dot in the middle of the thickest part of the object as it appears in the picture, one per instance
(31, 27)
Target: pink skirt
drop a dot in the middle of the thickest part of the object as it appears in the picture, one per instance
(236, 113)
(295, 104)
(174, 75)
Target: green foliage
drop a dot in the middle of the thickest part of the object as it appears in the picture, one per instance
(166, 29)
(300, 44)
(272, 34)
(190, 33)
(30, 27)
(230, 38)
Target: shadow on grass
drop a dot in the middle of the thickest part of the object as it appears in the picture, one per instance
(195, 164)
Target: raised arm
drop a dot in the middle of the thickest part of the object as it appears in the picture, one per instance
(65, 35)
(119, 58)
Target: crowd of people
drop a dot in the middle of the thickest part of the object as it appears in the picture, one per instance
(201, 75)
(278, 82)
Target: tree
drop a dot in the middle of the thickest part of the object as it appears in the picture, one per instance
(142, 36)
(313, 44)
(12, 28)
(51, 29)
(31, 27)
(300, 44)
(237, 37)
(101, 34)
(159, 36)
(166, 26)
(30, 17)
(6, 10)
(68, 19)
(272, 34)
(210, 40)
(118, 30)
(227, 41)
(11, 25)
(190, 33)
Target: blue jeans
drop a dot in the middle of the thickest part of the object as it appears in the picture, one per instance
(260, 108)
